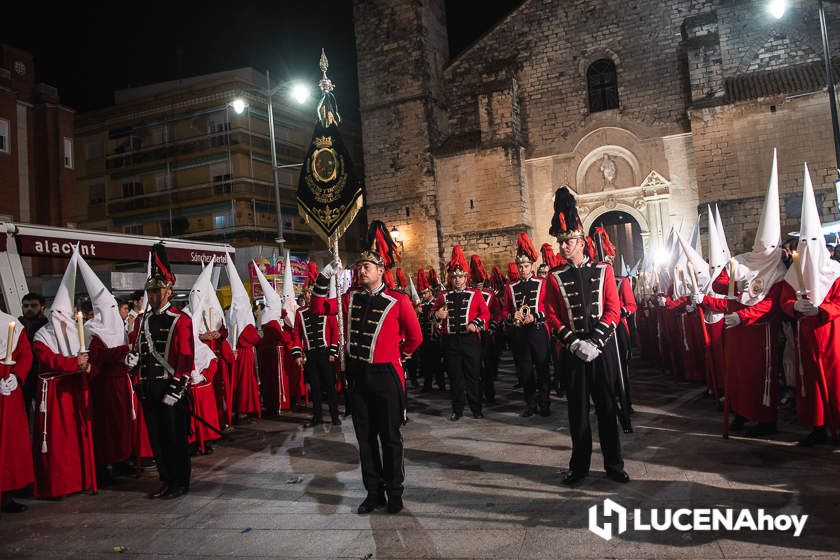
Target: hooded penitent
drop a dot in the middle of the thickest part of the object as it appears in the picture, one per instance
(106, 324)
(721, 234)
(289, 299)
(240, 314)
(199, 298)
(819, 271)
(718, 255)
(60, 334)
(273, 302)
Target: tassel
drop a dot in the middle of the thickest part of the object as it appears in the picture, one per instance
(44, 444)
(44, 386)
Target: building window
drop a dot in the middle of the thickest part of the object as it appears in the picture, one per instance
(218, 131)
(93, 150)
(68, 153)
(132, 188)
(603, 85)
(222, 221)
(133, 229)
(5, 144)
(162, 182)
(97, 194)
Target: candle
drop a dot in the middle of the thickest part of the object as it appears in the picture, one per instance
(692, 274)
(732, 264)
(798, 266)
(10, 341)
(80, 327)
(235, 332)
(206, 320)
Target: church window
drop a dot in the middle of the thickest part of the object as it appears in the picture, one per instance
(603, 85)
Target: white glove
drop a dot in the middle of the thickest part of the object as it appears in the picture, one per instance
(4, 389)
(11, 383)
(589, 351)
(731, 320)
(131, 359)
(197, 378)
(690, 308)
(331, 269)
(660, 301)
(697, 298)
(806, 307)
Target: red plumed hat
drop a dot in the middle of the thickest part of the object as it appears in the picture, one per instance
(433, 279)
(161, 274)
(422, 281)
(382, 250)
(389, 279)
(477, 272)
(457, 264)
(548, 256)
(311, 274)
(606, 244)
(565, 224)
(401, 279)
(513, 272)
(496, 278)
(525, 249)
(591, 251)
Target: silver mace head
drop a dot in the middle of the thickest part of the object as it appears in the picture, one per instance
(325, 83)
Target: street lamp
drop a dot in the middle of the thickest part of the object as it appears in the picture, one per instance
(777, 9)
(395, 235)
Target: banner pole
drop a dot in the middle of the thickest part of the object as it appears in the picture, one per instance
(339, 304)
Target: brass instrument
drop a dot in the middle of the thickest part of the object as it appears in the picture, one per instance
(525, 310)
(439, 322)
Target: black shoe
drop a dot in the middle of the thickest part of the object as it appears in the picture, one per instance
(545, 411)
(372, 502)
(395, 504)
(208, 449)
(227, 429)
(316, 420)
(175, 492)
(336, 421)
(618, 476)
(455, 416)
(572, 477)
(737, 425)
(13, 507)
(817, 437)
(477, 415)
(527, 413)
(161, 491)
(761, 429)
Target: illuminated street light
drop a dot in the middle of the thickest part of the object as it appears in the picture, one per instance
(238, 105)
(777, 8)
(300, 93)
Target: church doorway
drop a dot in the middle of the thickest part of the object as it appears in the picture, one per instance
(625, 234)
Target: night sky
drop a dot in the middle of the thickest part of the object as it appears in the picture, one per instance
(88, 52)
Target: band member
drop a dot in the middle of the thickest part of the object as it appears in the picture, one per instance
(430, 349)
(16, 469)
(586, 311)
(164, 340)
(64, 460)
(490, 348)
(316, 349)
(382, 330)
(525, 311)
(559, 380)
(461, 314)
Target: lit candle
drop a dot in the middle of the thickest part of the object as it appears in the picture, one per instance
(732, 265)
(80, 327)
(10, 341)
(801, 277)
(692, 274)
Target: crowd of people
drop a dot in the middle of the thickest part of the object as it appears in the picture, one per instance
(107, 387)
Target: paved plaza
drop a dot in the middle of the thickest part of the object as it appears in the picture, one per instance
(475, 489)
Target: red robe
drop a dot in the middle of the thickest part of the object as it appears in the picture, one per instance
(222, 381)
(246, 391)
(16, 469)
(272, 354)
(751, 351)
(204, 405)
(64, 457)
(818, 358)
(687, 341)
(297, 384)
(119, 431)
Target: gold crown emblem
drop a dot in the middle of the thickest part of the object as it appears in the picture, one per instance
(323, 142)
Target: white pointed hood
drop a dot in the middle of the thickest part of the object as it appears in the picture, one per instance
(762, 267)
(289, 299)
(694, 240)
(624, 272)
(106, 323)
(5, 319)
(240, 313)
(60, 333)
(214, 320)
(273, 302)
(818, 269)
(701, 267)
(199, 298)
(718, 258)
(721, 234)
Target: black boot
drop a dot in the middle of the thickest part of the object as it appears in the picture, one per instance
(316, 420)
(818, 436)
(372, 502)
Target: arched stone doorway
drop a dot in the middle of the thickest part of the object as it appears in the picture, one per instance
(625, 233)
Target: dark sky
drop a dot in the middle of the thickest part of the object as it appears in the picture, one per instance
(90, 50)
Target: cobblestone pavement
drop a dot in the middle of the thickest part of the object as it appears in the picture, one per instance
(475, 489)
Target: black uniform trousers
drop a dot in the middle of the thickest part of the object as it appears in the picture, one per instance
(320, 374)
(430, 363)
(462, 355)
(378, 402)
(530, 345)
(168, 428)
(595, 379)
(490, 352)
(623, 338)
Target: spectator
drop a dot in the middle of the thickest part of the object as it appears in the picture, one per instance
(33, 319)
(124, 307)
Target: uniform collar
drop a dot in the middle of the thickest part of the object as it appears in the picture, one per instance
(583, 263)
(163, 309)
(376, 291)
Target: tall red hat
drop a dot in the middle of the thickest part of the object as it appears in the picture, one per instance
(422, 281)
(606, 244)
(513, 272)
(525, 251)
(433, 279)
(548, 257)
(311, 274)
(591, 251)
(402, 281)
(161, 275)
(457, 265)
(496, 278)
(565, 224)
(382, 250)
(477, 273)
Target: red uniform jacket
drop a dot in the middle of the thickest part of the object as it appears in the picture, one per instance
(532, 292)
(313, 332)
(494, 305)
(180, 349)
(389, 331)
(627, 299)
(465, 307)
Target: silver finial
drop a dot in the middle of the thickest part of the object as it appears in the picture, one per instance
(325, 83)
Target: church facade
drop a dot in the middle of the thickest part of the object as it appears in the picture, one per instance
(647, 110)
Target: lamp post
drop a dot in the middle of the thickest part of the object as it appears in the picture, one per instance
(300, 93)
(777, 9)
(395, 235)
